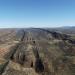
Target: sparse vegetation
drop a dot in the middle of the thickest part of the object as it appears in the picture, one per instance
(37, 51)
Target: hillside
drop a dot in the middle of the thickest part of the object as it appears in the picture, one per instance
(36, 51)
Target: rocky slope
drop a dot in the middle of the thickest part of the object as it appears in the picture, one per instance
(36, 51)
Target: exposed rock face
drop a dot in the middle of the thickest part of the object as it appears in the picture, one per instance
(20, 57)
(40, 52)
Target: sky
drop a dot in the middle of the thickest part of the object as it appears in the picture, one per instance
(36, 13)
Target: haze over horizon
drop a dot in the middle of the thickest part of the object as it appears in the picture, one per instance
(37, 13)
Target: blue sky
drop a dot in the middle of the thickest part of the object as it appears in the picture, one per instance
(37, 13)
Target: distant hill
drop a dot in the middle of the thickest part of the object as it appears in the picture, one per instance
(66, 29)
